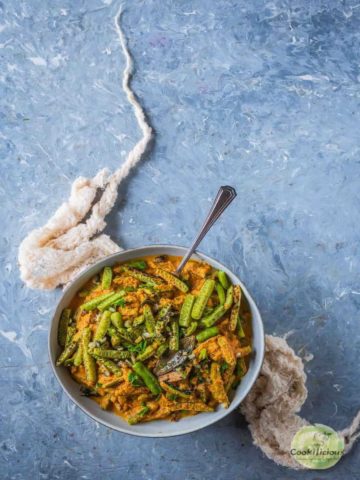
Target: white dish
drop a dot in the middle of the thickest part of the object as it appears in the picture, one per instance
(160, 428)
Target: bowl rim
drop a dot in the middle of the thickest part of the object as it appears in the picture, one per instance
(233, 405)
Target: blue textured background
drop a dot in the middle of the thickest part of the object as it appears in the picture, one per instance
(260, 95)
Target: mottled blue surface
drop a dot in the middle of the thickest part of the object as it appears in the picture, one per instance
(260, 95)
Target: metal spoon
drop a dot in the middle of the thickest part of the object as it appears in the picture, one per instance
(223, 199)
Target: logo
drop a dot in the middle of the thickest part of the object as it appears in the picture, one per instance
(317, 447)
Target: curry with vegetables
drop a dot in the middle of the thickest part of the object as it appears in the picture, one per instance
(149, 345)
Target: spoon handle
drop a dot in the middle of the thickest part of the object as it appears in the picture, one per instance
(223, 199)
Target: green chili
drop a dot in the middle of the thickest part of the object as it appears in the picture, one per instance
(78, 358)
(214, 316)
(113, 354)
(116, 320)
(71, 330)
(106, 278)
(89, 361)
(139, 320)
(221, 293)
(223, 279)
(149, 379)
(138, 264)
(109, 365)
(240, 329)
(142, 276)
(207, 333)
(138, 416)
(175, 391)
(163, 318)
(203, 354)
(175, 337)
(185, 313)
(126, 335)
(149, 319)
(172, 280)
(148, 352)
(191, 329)
(102, 326)
(229, 298)
(235, 309)
(162, 349)
(94, 302)
(202, 298)
(67, 353)
(63, 326)
(111, 383)
(115, 338)
(108, 302)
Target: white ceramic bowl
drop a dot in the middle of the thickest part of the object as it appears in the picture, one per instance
(160, 428)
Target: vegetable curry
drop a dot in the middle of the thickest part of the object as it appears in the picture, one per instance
(149, 345)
